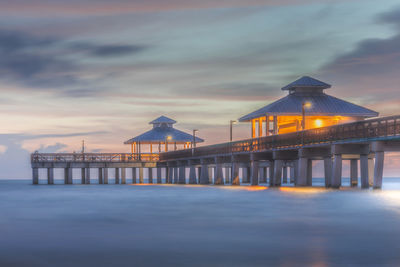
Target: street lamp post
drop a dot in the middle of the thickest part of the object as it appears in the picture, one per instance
(194, 140)
(304, 105)
(231, 127)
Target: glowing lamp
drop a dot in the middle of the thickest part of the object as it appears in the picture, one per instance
(318, 123)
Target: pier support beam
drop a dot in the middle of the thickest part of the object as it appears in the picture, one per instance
(170, 173)
(353, 172)
(192, 174)
(246, 175)
(150, 175)
(140, 175)
(35, 176)
(337, 171)
(271, 169)
(227, 175)
(116, 175)
(219, 175)
(328, 171)
(284, 175)
(309, 172)
(261, 175)
(123, 175)
(182, 174)
(83, 176)
(105, 175)
(159, 180)
(204, 177)
(235, 173)
(87, 176)
(254, 170)
(50, 175)
(371, 169)
(378, 171)
(100, 175)
(292, 173)
(68, 175)
(302, 172)
(278, 172)
(134, 175)
(364, 171)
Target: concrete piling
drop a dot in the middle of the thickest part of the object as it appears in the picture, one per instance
(105, 175)
(35, 176)
(100, 174)
(87, 176)
(116, 175)
(159, 180)
(378, 171)
(328, 171)
(182, 174)
(192, 174)
(141, 180)
(285, 174)
(364, 171)
(150, 175)
(337, 171)
(353, 172)
(83, 176)
(134, 180)
(123, 175)
(277, 179)
(50, 175)
(204, 177)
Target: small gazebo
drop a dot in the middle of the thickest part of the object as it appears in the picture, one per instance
(162, 135)
(306, 106)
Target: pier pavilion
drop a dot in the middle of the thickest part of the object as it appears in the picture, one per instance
(162, 135)
(305, 107)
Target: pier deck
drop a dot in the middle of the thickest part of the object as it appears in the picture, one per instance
(270, 158)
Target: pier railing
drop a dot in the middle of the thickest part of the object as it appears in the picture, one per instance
(93, 157)
(384, 127)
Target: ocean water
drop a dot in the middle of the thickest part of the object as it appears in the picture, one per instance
(171, 225)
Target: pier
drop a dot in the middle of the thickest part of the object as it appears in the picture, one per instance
(304, 126)
(275, 160)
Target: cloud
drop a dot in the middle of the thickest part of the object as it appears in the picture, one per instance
(114, 50)
(103, 7)
(52, 148)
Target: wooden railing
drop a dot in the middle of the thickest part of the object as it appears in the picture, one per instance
(93, 157)
(385, 127)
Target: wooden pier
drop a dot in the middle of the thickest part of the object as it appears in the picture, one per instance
(275, 160)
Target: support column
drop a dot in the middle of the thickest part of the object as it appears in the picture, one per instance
(328, 171)
(176, 175)
(159, 180)
(134, 180)
(182, 174)
(170, 174)
(35, 176)
(353, 172)
(337, 171)
(254, 172)
(204, 177)
(192, 174)
(295, 171)
(50, 175)
(219, 176)
(150, 175)
(100, 175)
(302, 172)
(68, 175)
(284, 175)
(378, 172)
(271, 169)
(210, 174)
(261, 174)
(83, 176)
(291, 173)
(278, 172)
(246, 174)
(87, 176)
(227, 175)
(371, 169)
(140, 175)
(235, 173)
(309, 172)
(123, 175)
(105, 175)
(116, 175)
(364, 171)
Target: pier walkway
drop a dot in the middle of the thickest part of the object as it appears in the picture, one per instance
(275, 160)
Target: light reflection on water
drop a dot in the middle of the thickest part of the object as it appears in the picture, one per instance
(195, 225)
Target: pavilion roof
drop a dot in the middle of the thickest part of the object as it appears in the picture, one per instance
(307, 82)
(321, 103)
(163, 119)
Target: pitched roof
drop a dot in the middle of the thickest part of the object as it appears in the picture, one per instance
(321, 104)
(160, 134)
(162, 119)
(306, 82)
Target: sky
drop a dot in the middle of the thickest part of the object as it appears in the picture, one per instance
(100, 70)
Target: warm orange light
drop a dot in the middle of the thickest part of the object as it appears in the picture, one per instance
(318, 123)
(169, 137)
(307, 105)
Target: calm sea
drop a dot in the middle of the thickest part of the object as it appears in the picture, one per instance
(168, 225)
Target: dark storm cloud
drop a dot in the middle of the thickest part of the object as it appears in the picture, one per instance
(114, 50)
(40, 62)
(371, 57)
